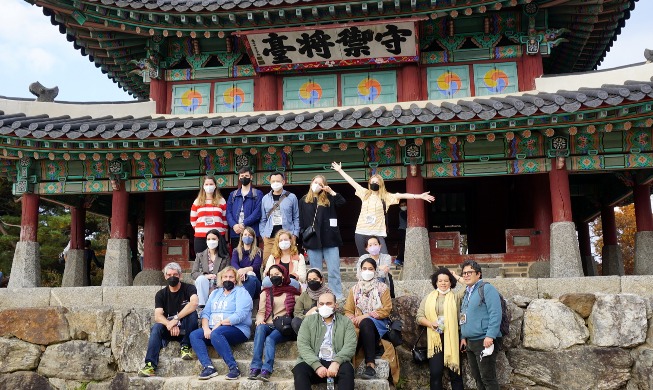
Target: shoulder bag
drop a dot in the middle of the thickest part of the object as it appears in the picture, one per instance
(282, 323)
(419, 353)
(309, 232)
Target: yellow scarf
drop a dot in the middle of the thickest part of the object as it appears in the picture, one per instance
(451, 355)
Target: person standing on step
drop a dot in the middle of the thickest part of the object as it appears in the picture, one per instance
(208, 212)
(175, 318)
(246, 259)
(306, 304)
(480, 326)
(89, 255)
(244, 207)
(376, 200)
(285, 254)
(206, 267)
(317, 212)
(326, 345)
(276, 302)
(226, 321)
(279, 210)
(403, 225)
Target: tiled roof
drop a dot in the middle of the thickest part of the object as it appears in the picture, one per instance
(419, 113)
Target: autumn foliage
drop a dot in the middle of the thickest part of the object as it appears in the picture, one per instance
(626, 229)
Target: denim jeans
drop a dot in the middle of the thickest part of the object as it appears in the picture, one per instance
(293, 282)
(160, 336)
(266, 339)
(253, 286)
(222, 339)
(332, 257)
(484, 371)
(203, 286)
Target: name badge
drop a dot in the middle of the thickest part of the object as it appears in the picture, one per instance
(276, 218)
(209, 221)
(463, 319)
(370, 219)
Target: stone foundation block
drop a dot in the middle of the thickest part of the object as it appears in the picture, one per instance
(26, 267)
(640, 285)
(626, 330)
(644, 253)
(90, 296)
(550, 325)
(417, 255)
(510, 287)
(117, 264)
(554, 288)
(91, 324)
(150, 277)
(613, 263)
(24, 297)
(129, 297)
(43, 326)
(18, 355)
(74, 275)
(85, 361)
(565, 253)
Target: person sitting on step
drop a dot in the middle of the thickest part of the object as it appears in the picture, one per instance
(175, 318)
(246, 259)
(285, 253)
(306, 304)
(206, 267)
(276, 303)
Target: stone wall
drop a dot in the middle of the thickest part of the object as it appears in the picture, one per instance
(574, 333)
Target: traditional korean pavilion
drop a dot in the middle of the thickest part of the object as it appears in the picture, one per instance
(494, 106)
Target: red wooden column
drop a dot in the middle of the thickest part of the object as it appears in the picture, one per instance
(159, 93)
(415, 185)
(559, 189)
(77, 227)
(528, 69)
(153, 231)
(611, 254)
(265, 90)
(542, 216)
(609, 225)
(29, 221)
(410, 83)
(643, 216)
(120, 212)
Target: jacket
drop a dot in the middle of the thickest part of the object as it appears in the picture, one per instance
(311, 335)
(201, 264)
(327, 235)
(303, 303)
(481, 320)
(297, 267)
(289, 214)
(351, 310)
(237, 308)
(251, 209)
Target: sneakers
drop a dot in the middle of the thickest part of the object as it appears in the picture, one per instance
(233, 374)
(148, 370)
(254, 373)
(368, 373)
(207, 373)
(265, 376)
(186, 353)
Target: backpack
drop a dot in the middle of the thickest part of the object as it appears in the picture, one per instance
(505, 314)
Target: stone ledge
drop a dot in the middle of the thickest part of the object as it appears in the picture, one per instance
(555, 287)
(90, 296)
(129, 296)
(24, 297)
(510, 287)
(637, 284)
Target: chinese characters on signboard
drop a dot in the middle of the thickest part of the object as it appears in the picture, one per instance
(335, 46)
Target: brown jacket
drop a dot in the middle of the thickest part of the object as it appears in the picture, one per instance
(382, 312)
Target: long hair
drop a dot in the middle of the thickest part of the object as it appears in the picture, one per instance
(201, 197)
(322, 197)
(276, 251)
(383, 193)
(252, 252)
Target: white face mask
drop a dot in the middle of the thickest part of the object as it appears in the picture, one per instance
(316, 188)
(276, 186)
(283, 245)
(209, 189)
(367, 275)
(403, 208)
(444, 292)
(212, 244)
(325, 311)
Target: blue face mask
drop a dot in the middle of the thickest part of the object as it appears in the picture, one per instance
(247, 240)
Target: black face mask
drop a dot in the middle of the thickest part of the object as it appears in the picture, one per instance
(245, 180)
(228, 285)
(374, 186)
(314, 285)
(276, 280)
(173, 281)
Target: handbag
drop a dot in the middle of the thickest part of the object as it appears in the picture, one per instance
(419, 353)
(394, 333)
(283, 324)
(309, 232)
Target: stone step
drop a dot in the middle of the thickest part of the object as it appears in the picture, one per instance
(175, 366)
(219, 383)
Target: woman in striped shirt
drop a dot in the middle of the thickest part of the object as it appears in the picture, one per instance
(209, 211)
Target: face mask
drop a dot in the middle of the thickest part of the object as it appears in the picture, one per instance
(276, 280)
(228, 285)
(374, 250)
(443, 292)
(209, 189)
(325, 311)
(314, 285)
(403, 208)
(245, 180)
(212, 244)
(374, 186)
(316, 188)
(173, 281)
(276, 186)
(367, 275)
(283, 245)
(247, 240)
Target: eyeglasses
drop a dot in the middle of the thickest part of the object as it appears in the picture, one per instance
(469, 273)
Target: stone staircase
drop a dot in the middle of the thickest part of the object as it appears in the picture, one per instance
(173, 373)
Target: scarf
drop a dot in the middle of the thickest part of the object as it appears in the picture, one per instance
(314, 295)
(367, 295)
(274, 291)
(451, 355)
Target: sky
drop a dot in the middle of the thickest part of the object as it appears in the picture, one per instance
(34, 50)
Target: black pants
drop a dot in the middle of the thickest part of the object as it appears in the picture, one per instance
(305, 376)
(436, 369)
(199, 244)
(369, 338)
(484, 371)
